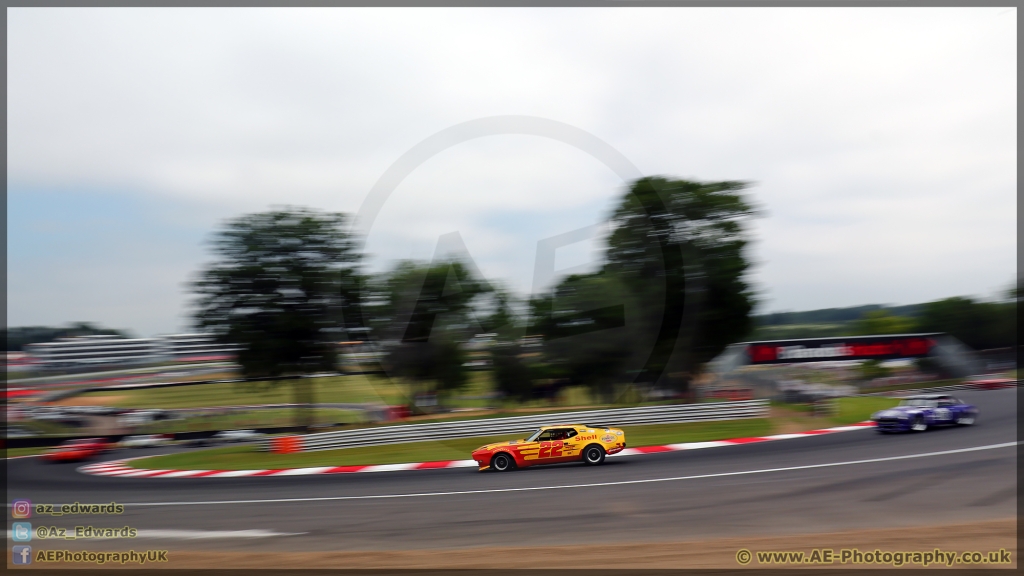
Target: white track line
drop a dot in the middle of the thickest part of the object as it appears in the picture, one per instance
(593, 485)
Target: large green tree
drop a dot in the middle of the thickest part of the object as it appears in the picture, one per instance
(423, 313)
(275, 289)
(511, 372)
(883, 322)
(597, 333)
(980, 325)
(678, 249)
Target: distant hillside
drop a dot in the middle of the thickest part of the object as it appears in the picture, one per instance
(823, 323)
(833, 315)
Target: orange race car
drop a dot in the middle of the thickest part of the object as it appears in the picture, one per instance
(80, 449)
(553, 445)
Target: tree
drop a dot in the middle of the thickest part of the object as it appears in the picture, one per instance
(275, 289)
(675, 240)
(883, 322)
(873, 369)
(928, 365)
(512, 376)
(499, 318)
(587, 340)
(423, 313)
(980, 325)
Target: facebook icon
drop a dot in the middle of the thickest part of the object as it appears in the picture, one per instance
(22, 554)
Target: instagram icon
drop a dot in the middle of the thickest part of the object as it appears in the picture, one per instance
(21, 509)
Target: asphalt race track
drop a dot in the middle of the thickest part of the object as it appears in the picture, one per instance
(811, 484)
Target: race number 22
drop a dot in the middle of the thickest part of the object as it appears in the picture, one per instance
(550, 449)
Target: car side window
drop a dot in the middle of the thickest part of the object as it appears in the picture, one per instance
(570, 434)
(545, 436)
(558, 434)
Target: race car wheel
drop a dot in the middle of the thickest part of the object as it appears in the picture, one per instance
(593, 455)
(502, 462)
(919, 424)
(966, 419)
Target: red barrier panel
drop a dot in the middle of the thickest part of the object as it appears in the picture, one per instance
(286, 444)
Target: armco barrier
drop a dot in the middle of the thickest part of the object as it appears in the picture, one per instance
(977, 385)
(522, 424)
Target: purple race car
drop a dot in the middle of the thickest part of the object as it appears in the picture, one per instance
(917, 413)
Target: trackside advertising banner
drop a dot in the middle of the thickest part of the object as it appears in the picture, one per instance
(847, 348)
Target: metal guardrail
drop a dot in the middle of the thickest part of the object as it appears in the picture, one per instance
(935, 389)
(523, 424)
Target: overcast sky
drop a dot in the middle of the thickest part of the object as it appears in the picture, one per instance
(881, 142)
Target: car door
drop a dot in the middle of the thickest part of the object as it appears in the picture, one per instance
(571, 446)
(957, 408)
(944, 413)
(552, 446)
(528, 450)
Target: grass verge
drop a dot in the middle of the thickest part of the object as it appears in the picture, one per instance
(341, 389)
(246, 457)
(860, 408)
(350, 389)
(269, 418)
(850, 410)
(12, 452)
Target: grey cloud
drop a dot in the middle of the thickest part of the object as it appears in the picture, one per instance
(861, 128)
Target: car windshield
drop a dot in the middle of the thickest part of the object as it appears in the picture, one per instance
(919, 402)
(534, 436)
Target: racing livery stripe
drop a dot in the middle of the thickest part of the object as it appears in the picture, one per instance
(120, 468)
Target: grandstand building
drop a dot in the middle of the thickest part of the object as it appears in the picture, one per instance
(101, 350)
(180, 347)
